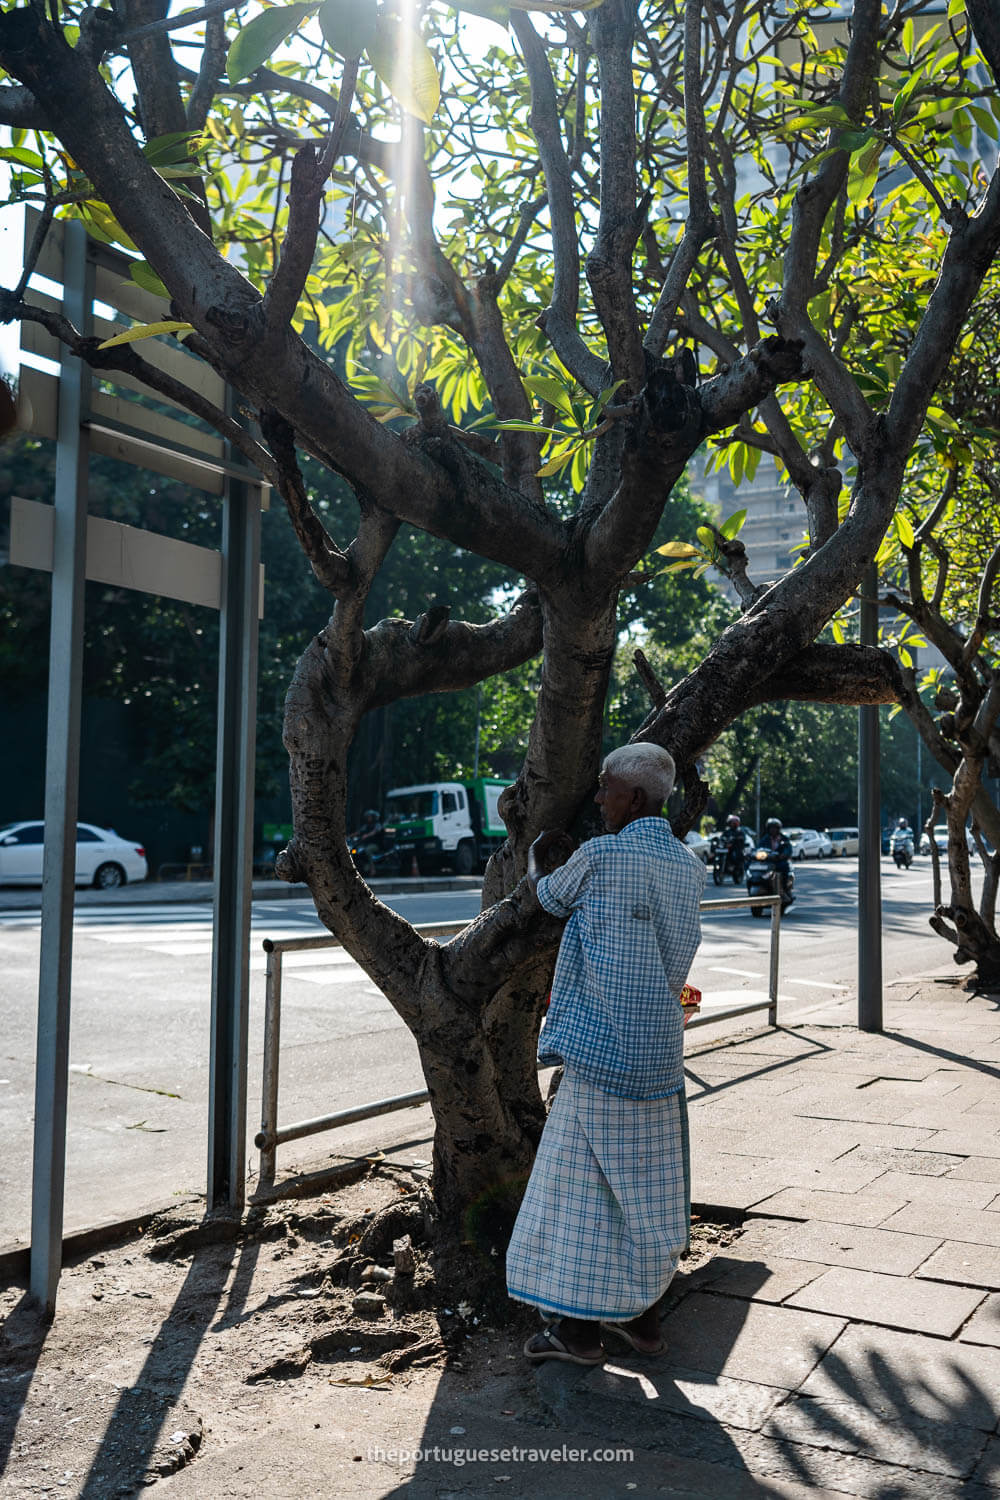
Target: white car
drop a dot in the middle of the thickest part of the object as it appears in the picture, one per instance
(699, 845)
(941, 839)
(102, 858)
(843, 840)
(808, 843)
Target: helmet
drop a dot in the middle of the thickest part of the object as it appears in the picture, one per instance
(773, 825)
(370, 812)
(733, 821)
(902, 823)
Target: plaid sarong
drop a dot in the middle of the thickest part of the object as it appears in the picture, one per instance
(606, 1213)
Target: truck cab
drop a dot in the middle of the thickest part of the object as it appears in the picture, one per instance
(446, 823)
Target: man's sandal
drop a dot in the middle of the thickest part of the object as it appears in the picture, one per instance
(548, 1345)
(620, 1331)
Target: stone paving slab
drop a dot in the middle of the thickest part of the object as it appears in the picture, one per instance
(964, 1142)
(890, 1301)
(770, 1282)
(911, 1187)
(988, 1469)
(899, 1437)
(854, 1103)
(948, 1221)
(977, 1169)
(663, 1385)
(963, 1263)
(984, 1326)
(863, 1249)
(839, 1208)
(893, 1374)
(892, 1159)
(747, 1340)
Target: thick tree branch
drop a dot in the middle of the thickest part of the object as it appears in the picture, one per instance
(310, 170)
(20, 109)
(559, 318)
(428, 488)
(700, 225)
(621, 218)
(125, 358)
(328, 562)
(669, 421)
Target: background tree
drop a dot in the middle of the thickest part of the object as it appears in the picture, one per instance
(582, 230)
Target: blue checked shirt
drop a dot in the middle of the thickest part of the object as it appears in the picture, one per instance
(632, 899)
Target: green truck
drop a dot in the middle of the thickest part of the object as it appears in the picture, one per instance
(446, 824)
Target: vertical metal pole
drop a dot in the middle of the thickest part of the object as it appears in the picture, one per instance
(772, 984)
(233, 855)
(272, 1056)
(62, 779)
(870, 847)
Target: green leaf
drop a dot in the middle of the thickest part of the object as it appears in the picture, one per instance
(255, 42)
(490, 10)
(548, 388)
(904, 528)
(604, 397)
(705, 537)
(837, 630)
(348, 26)
(143, 275)
(147, 331)
(956, 8)
(558, 461)
(905, 657)
(678, 549)
(403, 61)
(864, 173)
(22, 156)
(102, 224)
(731, 526)
(903, 97)
(171, 150)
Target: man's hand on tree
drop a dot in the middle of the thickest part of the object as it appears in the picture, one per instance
(551, 849)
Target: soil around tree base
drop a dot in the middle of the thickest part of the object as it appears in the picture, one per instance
(200, 1331)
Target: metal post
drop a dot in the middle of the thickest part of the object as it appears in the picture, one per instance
(870, 849)
(233, 855)
(772, 980)
(272, 1056)
(62, 778)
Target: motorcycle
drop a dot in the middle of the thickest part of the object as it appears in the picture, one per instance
(764, 879)
(727, 859)
(901, 848)
(375, 853)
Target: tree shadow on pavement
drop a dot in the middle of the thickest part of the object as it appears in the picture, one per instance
(133, 1449)
(564, 1431)
(22, 1340)
(900, 1419)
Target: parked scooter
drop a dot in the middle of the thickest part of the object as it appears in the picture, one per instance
(764, 879)
(901, 848)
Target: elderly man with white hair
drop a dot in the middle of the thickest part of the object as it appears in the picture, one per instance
(606, 1213)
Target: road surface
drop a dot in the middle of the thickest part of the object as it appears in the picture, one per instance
(139, 1040)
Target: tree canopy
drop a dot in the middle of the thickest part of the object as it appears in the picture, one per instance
(566, 248)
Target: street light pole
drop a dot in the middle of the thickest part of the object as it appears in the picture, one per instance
(869, 849)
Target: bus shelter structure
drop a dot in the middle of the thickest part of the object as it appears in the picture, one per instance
(128, 422)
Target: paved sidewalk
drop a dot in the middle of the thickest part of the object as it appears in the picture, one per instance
(847, 1343)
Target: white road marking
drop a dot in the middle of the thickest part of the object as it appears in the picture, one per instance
(740, 973)
(819, 984)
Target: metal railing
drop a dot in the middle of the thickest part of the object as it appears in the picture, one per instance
(271, 1135)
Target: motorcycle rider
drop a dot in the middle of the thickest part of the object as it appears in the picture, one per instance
(780, 849)
(731, 840)
(369, 827)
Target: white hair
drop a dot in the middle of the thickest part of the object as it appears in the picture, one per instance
(647, 766)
